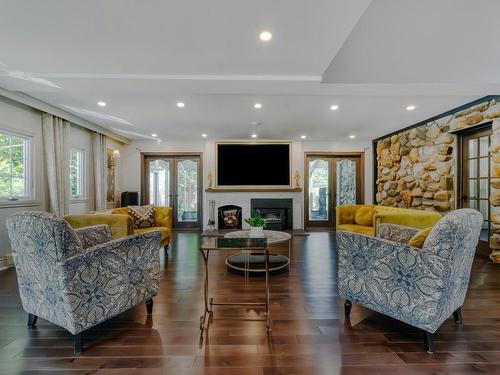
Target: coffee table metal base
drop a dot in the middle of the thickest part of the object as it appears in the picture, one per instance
(255, 262)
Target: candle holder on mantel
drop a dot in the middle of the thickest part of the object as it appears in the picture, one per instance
(210, 180)
(211, 215)
(297, 180)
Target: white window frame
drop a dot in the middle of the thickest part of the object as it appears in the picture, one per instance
(82, 174)
(29, 191)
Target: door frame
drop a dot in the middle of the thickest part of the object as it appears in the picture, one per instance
(360, 190)
(174, 155)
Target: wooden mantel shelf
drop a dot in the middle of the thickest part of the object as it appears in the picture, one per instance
(254, 190)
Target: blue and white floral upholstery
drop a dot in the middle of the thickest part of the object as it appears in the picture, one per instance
(396, 232)
(421, 287)
(79, 278)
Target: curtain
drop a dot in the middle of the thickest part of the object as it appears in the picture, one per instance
(100, 164)
(55, 132)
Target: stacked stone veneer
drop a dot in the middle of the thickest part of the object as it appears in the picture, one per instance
(416, 168)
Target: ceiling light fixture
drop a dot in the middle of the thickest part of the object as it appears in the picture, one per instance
(334, 107)
(411, 108)
(254, 135)
(257, 106)
(303, 137)
(180, 104)
(101, 104)
(352, 136)
(154, 135)
(204, 135)
(265, 36)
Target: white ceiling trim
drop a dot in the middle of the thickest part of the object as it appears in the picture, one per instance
(45, 107)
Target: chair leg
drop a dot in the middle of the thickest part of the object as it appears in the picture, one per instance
(149, 306)
(458, 316)
(429, 345)
(347, 308)
(32, 320)
(78, 343)
(166, 248)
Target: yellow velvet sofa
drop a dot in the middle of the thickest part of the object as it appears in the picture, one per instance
(345, 218)
(122, 224)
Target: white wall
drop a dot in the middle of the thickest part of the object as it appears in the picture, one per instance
(132, 171)
(24, 120)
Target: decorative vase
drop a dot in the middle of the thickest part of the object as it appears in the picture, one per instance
(256, 232)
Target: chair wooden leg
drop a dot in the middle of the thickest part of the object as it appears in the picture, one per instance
(429, 344)
(32, 320)
(78, 343)
(347, 308)
(149, 306)
(458, 316)
(166, 248)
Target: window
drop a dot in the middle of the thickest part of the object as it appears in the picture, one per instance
(77, 173)
(15, 174)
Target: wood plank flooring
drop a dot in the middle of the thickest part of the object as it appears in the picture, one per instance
(309, 334)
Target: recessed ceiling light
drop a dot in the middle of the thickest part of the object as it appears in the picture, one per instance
(180, 104)
(352, 136)
(257, 106)
(204, 135)
(254, 135)
(334, 107)
(101, 104)
(265, 36)
(411, 108)
(154, 135)
(303, 137)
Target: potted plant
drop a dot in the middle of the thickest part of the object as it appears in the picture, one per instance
(257, 224)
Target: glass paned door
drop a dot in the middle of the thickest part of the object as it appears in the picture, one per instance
(174, 181)
(476, 175)
(332, 180)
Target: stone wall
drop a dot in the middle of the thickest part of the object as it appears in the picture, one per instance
(417, 168)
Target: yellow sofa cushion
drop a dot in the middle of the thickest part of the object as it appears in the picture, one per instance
(418, 239)
(370, 231)
(364, 216)
(165, 232)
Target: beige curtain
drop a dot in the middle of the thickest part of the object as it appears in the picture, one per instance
(55, 133)
(100, 164)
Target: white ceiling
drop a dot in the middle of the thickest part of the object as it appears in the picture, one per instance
(143, 57)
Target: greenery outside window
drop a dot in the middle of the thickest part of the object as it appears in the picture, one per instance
(77, 173)
(15, 167)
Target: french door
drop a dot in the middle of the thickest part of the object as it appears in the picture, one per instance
(476, 174)
(174, 181)
(331, 180)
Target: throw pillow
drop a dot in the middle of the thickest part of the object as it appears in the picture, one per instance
(364, 216)
(144, 216)
(419, 239)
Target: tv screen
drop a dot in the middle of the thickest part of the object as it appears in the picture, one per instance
(257, 164)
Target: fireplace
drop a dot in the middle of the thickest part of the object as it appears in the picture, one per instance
(229, 217)
(277, 212)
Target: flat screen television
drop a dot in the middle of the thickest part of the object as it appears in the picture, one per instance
(253, 164)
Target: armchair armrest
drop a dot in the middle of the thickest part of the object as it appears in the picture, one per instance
(120, 225)
(109, 278)
(345, 214)
(94, 235)
(396, 233)
(395, 279)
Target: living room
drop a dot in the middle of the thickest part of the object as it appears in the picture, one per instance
(249, 187)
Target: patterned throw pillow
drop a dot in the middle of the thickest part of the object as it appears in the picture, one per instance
(144, 216)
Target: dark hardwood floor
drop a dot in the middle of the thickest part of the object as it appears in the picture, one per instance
(309, 334)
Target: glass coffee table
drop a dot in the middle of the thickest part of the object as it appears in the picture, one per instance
(254, 262)
(231, 244)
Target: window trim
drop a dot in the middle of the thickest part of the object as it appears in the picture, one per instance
(29, 199)
(82, 172)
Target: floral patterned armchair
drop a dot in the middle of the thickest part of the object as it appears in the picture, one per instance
(79, 278)
(421, 287)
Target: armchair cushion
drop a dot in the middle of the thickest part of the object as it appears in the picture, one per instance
(94, 235)
(396, 233)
